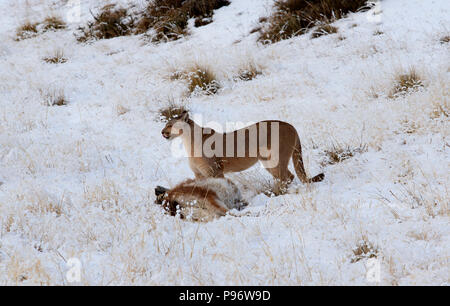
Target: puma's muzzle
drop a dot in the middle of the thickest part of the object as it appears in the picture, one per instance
(165, 134)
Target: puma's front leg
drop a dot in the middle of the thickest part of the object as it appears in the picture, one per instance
(205, 168)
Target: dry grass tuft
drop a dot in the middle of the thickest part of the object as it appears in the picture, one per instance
(438, 111)
(202, 79)
(338, 153)
(110, 22)
(57, 58)
(27, 30)
(406, 83)
(295, 17)
(445, 39)
(324, 29)
(249, 72)
(378, 33)
(199, 78)
(429, 197)
(168, 22)
(364, 249)
(53, 23)
(43, 204)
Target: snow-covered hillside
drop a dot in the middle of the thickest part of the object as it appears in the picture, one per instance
(77, 181)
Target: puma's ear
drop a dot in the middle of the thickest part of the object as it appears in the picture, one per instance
(184, 116)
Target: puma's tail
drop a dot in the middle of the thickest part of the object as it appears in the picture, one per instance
(300, 168)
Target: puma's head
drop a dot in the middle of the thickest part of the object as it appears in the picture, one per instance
(174, 127)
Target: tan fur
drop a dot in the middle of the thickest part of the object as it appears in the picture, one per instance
(202, 199)
(288, 147)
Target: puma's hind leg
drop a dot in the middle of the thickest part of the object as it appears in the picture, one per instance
(283, 177)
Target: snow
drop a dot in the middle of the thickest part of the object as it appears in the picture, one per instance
(78, 180)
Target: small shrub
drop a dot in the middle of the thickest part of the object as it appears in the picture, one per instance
(295, 17)
(338, 153)
(27, 30)
(110, 22)
(203, 79)
(57, 58)
(406, 83)
(363, 250)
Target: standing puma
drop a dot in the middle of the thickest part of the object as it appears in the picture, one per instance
(273, 143)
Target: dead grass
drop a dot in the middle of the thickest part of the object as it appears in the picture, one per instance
(160, 21)
(296, 17)
(438, 111)
(323, 29)
(249, 72)
(338, 153)
(405, 83)
(169, 18)
(431, 196)
(168, 22)
(199, 78)
(424, 235)
(27, 30)
(445, 39)
(110, 22)
(53, 23)
(434, 202)
(202, 79)
(30, 30)
(364, 249)
(203, 10)
(378, 33)
(43, 204)
(57, 58)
